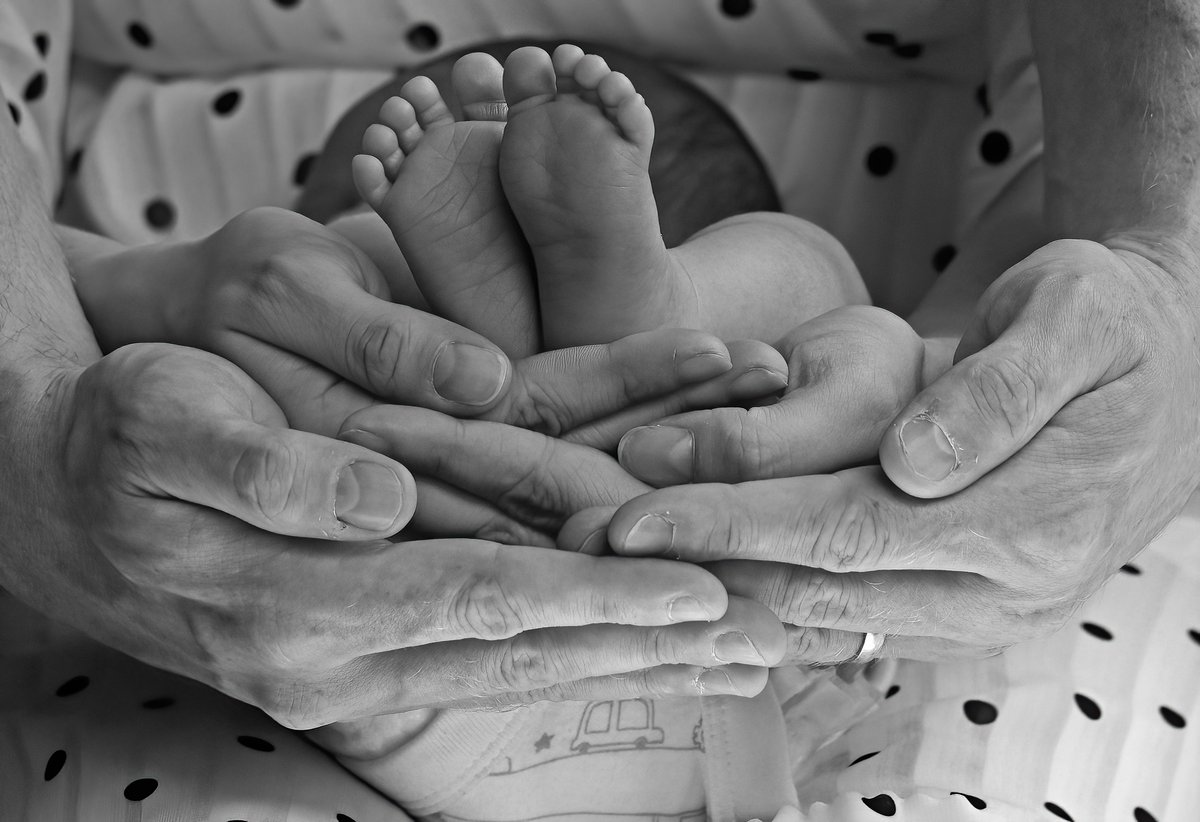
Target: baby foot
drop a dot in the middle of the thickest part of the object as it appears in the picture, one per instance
(574, 163)
(434, 181)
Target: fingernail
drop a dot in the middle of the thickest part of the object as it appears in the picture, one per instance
(927, 449)
(468, 374)
(650, 535)
(687, 608)
(658, 454)
(715, 681)
(366, 439)
(596, 543)
(756, 382)
(735, 646)
(369, 496)
(702, 366)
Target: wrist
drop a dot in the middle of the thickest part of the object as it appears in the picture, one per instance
(137, 294)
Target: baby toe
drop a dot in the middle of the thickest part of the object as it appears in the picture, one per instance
(528, 78)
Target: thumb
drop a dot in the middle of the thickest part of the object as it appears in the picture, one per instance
(983, 411)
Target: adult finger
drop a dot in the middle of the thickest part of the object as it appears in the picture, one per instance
(850, 370)
(823, 646)
(662, 680)
(182, 424)
(1042, 350)
(537, 479)
(446, 511)
(914, 603)
(559, 390)
(747, 634)
(850, 521)
(757, 370)
(394, 351)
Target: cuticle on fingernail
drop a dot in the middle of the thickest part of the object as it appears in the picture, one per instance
(934, 466)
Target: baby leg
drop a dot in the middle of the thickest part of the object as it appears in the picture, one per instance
(434, 181)
(574, 163)
(760, 275)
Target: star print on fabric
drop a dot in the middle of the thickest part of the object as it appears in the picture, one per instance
(542, 743)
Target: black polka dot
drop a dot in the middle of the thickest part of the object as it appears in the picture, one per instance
(1057, 811)
(256, 744)
(140, 35)
(863, 758)
(41, 41)
(1131, 569)
(881, 160)
(342, 817)
(35, 88)
(909, 51)
(74, 162)
(72, 686)
(158, 703)
(287, 4)
(1173, 718)
(1143, 815)
(880, 38)
(882, 804)
(303, 167)
(139, 789)
(1089, 707)
(160, 214)
(981, 97)
(976, 803)
(14, 113)
(803, 74)
(995, 147)
(54, 764)
(980, 712)
(227, 101)
(1195, 635)
(1098, 631)
(423, 37)
(892, 691)
(736, 8)
(943, 257)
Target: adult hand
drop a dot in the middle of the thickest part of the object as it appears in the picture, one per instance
(1067, 428)
(308, 316)
(157, 473)
(850, 371)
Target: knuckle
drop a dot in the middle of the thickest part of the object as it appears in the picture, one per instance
(748, 444)
(378, 349)
(540, 409)
(296, 705)
(524, 664)
(814, 645)
(263, 477)
(853, 535)
(818, 599)
(536, 496)
(484, 609)
(1005, 391)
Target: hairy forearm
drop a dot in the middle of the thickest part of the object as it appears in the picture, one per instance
(42, 329)
(1121, 98)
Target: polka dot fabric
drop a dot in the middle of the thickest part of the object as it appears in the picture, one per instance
(88, 734)
(184, 112)
(1093, 723)
(855, 107)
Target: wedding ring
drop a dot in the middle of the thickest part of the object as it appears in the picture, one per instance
(871, 645)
